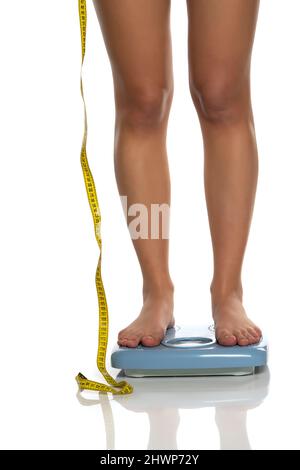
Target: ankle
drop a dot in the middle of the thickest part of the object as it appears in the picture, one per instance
(158, 289)
(221, 292)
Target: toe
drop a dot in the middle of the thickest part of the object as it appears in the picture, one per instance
(258, 332)
(251, 339)
(243, 339)
(150, 340)
(129, 342)
(123, 337)
(253, 336)
(122, 333)
(226, 339)
(122, 341)
(132, 342)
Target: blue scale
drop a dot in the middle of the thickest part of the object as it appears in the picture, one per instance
(189, 351)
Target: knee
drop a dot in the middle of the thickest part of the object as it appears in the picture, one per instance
(220, 99)
(144, 107)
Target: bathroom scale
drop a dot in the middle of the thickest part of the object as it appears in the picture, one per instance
(189, 351)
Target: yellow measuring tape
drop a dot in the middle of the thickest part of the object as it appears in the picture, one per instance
(117, 388)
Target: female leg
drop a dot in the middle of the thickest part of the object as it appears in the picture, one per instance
(137, 38)
(221, 34)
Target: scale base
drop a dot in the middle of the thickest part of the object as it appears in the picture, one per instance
(138, 373)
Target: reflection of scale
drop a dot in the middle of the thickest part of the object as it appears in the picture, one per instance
(189, 352)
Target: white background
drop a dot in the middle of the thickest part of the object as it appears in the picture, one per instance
(48, 252)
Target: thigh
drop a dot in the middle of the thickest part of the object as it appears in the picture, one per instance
(221, 34)
(137, 38)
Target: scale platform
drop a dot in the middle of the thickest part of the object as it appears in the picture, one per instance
(189, 351)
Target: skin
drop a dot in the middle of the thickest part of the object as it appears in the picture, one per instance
(220, 39)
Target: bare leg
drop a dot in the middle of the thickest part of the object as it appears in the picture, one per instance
(221, 34)
(137, 39)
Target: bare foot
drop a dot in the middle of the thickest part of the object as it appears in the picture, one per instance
(150, 326)
(232, 326)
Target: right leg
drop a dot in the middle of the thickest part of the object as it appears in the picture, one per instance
(137, 38)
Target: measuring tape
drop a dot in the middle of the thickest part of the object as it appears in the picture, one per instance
(117, 388)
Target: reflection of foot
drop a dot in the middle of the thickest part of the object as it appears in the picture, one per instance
(151, 325)
(164, 423)
(232, 426)
(232, 325)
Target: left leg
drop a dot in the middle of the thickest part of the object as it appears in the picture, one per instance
(221, 34)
